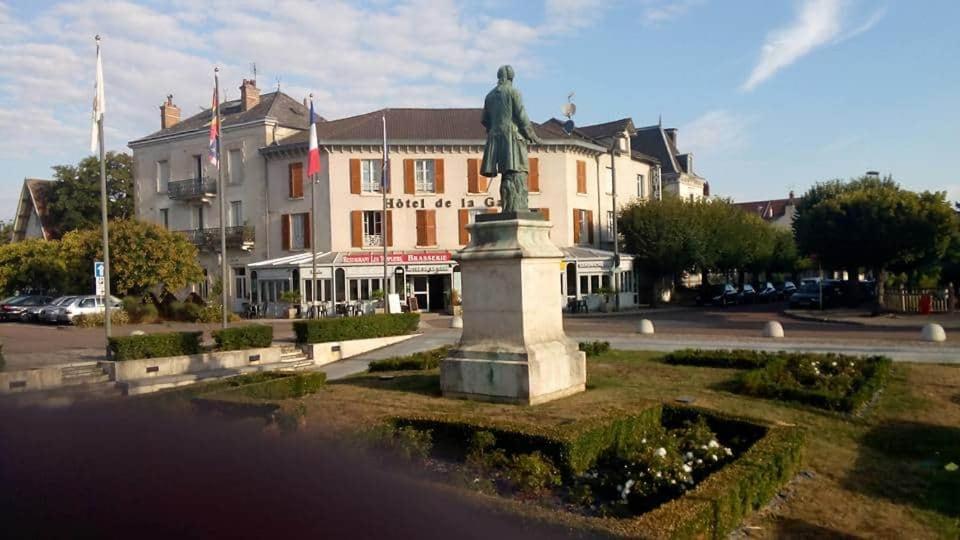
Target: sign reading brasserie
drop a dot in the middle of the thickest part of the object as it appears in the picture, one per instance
(396, 258)
(440, 202)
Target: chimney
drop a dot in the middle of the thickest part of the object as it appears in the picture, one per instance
(249, 94)
(169, 113)
(672, 136)
(791, 196)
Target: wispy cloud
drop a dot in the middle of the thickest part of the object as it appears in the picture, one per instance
(715, 132)
(817, 23)
(655, 12)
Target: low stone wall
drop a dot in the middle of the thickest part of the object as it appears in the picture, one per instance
(28, 380)
(195, 363)
(331, 351)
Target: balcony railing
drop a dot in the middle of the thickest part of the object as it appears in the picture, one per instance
(192, 188)
(209, 239)
(372, 240)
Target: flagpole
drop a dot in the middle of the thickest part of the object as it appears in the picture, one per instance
(313, 229)
(383, 215)
(223, 206)
(107, 330)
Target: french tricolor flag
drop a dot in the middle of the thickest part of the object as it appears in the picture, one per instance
(313, 157)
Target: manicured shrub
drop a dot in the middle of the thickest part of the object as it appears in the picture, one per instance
(154, 345)
(346, 328)
(594, 348)
(118, 317)
(404, 442)
(531, 473)
(737, 359)
(827, 381)
(294, 386)
(140, 311)
(249, 336)
(415, 362)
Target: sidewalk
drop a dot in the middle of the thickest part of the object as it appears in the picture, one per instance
(859, 317)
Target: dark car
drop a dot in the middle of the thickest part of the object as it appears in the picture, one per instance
(747, 294)
(717, 295)
(786, 289)
(12, 309)
(767, 293)
(808, 296)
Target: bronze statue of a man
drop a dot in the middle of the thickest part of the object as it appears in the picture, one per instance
(508, 132)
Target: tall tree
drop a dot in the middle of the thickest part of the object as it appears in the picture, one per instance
(875, 224)
(33, 264)
(142, 256)
(74, 202)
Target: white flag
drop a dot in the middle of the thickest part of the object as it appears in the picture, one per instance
(99, 105)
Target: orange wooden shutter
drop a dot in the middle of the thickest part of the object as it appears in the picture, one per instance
(431, 221)
(473, 176)
(546, 213)
(421, 228)
(307, 231)
(464, 218)
(389, 227)
(355, 176)
(533, 177)
(296, 180)
(409, 183)
(576, 226)
(285, 231)
(590, 226)
(438, 175)
(581, 176)
(356, 228)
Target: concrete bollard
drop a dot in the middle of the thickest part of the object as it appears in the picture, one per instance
(646, 327)
(933, 332)
(456, 322)
(138, 333)
(773, 329)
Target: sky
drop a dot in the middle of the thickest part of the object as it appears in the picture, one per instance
(769, 95)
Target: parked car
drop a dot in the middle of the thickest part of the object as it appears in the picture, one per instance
(747, 294)
(48, 312)
(767, 293)
(808, 296)
(13, 309)
(786, 289)
(717, 295)
(84, 305)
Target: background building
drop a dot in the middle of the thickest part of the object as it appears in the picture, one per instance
(32, 220)
(777, 212)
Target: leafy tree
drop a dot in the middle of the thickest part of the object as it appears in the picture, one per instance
(31, 265)
(6, 231)
(664, 236)
(142, 256)
(74, 200)
(873, 223)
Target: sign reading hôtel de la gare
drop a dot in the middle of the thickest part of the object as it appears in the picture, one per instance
(440, 202)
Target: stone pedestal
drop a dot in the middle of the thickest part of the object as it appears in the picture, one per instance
(513, 348)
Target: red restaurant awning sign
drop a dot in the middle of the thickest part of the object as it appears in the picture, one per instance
(396, 258)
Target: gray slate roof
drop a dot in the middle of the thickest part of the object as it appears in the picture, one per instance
(652, 141)
(284, 109)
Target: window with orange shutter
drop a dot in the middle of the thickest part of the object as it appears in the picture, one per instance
(296, 180)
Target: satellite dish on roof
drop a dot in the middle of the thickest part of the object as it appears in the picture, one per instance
(569, 109)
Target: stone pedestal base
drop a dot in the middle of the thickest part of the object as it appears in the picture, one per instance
(513, 348)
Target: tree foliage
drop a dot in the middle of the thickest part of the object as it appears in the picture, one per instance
(875, 224)
(74, 200)
(142, 256)
(663, 235)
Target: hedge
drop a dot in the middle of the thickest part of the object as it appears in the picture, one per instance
(346, 328)
(415, 362)
(594, 348)
(772, 382)
(573, 447)
(294, 386)
(154, 345)
(250, 336)
(737, 359)
(768, 457)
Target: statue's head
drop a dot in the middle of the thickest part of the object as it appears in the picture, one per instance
(504, 73)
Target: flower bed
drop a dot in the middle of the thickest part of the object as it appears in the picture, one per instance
(828, 381)
(663, 472)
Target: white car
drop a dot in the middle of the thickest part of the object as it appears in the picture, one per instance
(84, 305)
(41, 313)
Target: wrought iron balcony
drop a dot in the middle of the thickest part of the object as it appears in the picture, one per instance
(192, 189)
(209, 239)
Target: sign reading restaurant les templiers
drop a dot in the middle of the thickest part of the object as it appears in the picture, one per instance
(489, 202)
(396, 258)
